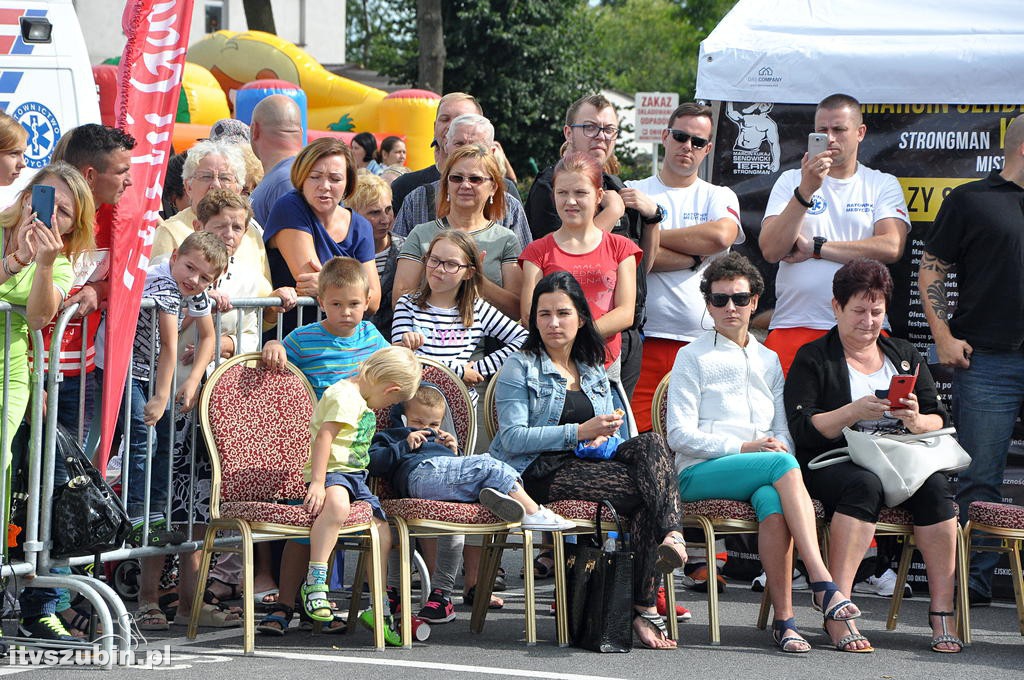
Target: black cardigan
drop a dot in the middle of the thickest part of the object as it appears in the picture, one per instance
(819, 381)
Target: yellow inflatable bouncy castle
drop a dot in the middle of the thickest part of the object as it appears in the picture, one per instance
(334, 103)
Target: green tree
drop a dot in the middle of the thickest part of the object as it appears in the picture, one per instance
(525, 60)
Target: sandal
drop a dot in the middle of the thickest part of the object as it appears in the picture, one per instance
(151, 617)
(829, 590)
(315, 604)
(470, 595)
(337, 624)
(851, 637)
(168, 604)
(946, 636)
(671, 556)
(787, 636)
(211, 616)
(544, 565)
(210, 597)
(78, 622)
(655, 621)
(277, 621)
(266, 598)
(499, 581)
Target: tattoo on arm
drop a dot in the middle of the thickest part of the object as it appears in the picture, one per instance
(931, 263)
(937, 297)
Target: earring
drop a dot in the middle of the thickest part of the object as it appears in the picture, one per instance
(490, 200)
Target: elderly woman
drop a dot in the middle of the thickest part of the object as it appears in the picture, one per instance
(472, 200)
(835, 382)
(308, 226)
(372, 200)
(210, 165)
(553, 394)
(739, 448)
(36, 273)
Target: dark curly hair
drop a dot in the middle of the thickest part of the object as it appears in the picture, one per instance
(92, 144)
(729, 267)
(862, 276)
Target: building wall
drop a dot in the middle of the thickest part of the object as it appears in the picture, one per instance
(323, 36)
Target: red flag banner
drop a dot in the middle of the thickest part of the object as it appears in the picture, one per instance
(149, 80)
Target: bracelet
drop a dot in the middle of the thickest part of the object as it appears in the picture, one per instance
(800, 199)
(7, 269)
(18, 259)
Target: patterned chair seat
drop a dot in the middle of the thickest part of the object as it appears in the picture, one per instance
(411, 509)
(720, 508)
(997, 514)
(579, 511)
(900, 516)
(291, 515)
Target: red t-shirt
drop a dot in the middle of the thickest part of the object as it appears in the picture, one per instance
(596, 272)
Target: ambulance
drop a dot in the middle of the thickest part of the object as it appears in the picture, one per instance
(46, 80)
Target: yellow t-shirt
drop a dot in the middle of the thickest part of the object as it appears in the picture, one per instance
(342, 403)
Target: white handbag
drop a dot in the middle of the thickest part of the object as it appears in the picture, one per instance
(903, 462)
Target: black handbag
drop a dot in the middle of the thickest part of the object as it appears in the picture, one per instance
(88, 517)
(600, 591)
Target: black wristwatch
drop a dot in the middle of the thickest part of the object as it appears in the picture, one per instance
(819, 241)
(659, 216)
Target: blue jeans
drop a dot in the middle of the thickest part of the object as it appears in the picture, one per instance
(460, 478)
(136, 462)
(68, 411)
(986, 400)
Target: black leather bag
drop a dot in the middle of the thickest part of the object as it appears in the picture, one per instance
(88, 517)
(600, 592)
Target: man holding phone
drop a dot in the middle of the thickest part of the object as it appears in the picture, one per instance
(980, 231)
(822, 215)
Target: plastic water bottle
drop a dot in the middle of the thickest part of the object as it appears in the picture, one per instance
(611, 544)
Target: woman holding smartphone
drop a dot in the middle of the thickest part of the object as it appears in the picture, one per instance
(835, 382)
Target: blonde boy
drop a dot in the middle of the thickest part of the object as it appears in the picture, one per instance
(343, 426)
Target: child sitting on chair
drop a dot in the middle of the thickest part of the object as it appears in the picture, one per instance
(419, 460)
(342, 427)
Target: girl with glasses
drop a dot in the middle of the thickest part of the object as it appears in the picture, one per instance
(471, 198)
(726, 423)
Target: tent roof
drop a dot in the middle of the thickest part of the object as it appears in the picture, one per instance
(879, 51)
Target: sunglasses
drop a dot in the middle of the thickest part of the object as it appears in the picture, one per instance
(722, 299)
(683, 138)
(475, 180)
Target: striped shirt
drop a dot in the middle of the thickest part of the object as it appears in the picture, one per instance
(325, 358)
(448, 341)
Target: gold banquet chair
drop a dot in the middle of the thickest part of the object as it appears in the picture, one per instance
(1005, 523)
(256, 426)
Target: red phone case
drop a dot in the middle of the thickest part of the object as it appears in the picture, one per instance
(899, 388)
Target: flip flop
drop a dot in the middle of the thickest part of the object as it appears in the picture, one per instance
(669, 558)
(657, 622)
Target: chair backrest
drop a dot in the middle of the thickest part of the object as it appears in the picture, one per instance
(619, 400)
(659, 407)
(256, 426)
(460, 412)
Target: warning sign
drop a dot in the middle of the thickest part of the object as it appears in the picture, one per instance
(652, 112)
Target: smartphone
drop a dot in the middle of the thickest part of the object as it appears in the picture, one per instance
(817, 142)
(42, 203)
(899, 388)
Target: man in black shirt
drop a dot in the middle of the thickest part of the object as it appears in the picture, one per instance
(980, 231)
(591, 126)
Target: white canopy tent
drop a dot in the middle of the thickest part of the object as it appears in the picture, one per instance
(879, 51)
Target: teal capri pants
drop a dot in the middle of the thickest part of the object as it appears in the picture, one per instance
(739, 477)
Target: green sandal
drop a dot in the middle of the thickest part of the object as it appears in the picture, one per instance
(316, 605)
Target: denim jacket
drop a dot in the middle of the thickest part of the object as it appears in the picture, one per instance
(529, 398)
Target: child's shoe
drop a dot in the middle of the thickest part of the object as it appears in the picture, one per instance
(159, 534)
(391, 636)
(546, 520)
(314, 602)
(438, 609)
(502, 505)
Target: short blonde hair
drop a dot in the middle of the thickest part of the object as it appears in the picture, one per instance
(341, 272)
(370, 190)
(393, 366)
(429, 396)
(253, 167)
(209, 246)
(493, 210)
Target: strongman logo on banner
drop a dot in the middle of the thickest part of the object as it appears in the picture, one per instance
(756, 150)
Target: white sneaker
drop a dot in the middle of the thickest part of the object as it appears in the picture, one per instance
(799, 582)
(546, 520)
(883, 585)
(502, 505)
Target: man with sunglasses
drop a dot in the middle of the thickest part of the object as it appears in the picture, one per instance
(821, 215)
(700, 221)
(592, 126)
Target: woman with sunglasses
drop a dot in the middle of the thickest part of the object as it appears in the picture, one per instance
(727, 427)
(471, 200)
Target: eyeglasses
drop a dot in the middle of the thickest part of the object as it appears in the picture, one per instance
(475, 180)
(447, 266)
(683, 137)
(722, 299)
(593, 130)
(208, 178)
